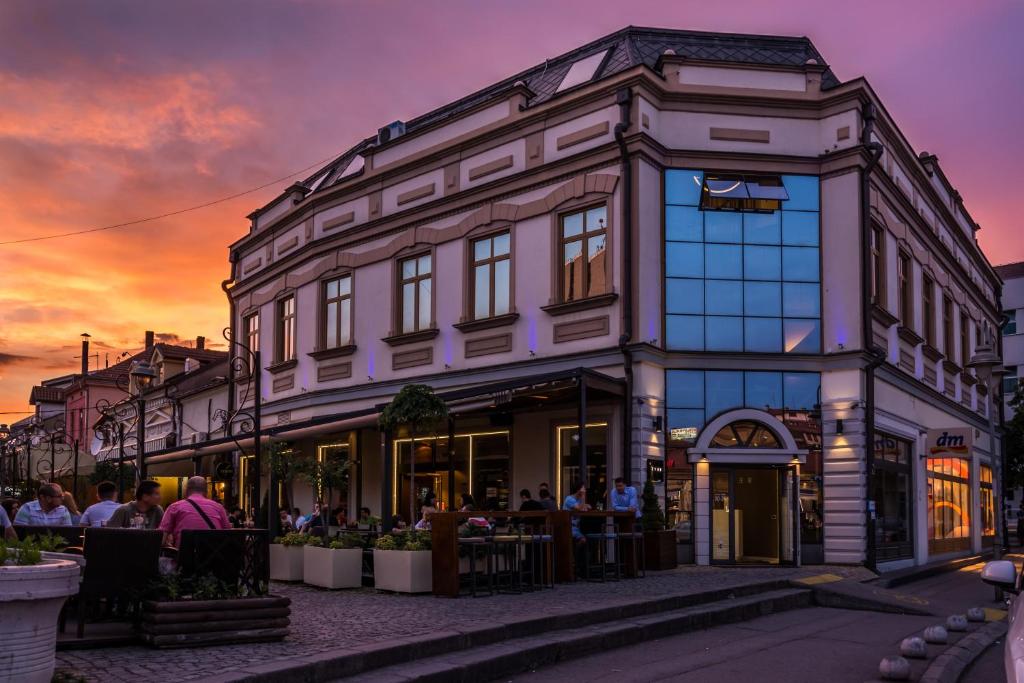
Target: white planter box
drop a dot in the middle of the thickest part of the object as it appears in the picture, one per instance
(333, 568)
(403, 571)
(286, 562)
(30, 601)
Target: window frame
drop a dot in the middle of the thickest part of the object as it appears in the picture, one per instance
(1011, 322)
(965, 339)
(281, 334)
(877, 264)
(472, 264)
(905, 286)
(948, 338)
(401, 281)
(253, 333)
(584, 237)
(325, 301)
(894, 550)
(928, 309)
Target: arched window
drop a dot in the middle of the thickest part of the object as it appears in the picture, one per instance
(745, 434)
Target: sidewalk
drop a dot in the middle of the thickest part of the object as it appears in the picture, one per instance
(324, 622)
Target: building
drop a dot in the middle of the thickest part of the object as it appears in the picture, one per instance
(1012, 340)
(692, 256)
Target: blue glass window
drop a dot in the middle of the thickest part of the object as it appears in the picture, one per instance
(800, 300)
(723, 333)
(684, 295)
(685, 332)
(800, 390)
(682, 187)
(802, 335)
(723, 226)
(762, 298)
(800, 228)
(724, 297)
(762, 263)
(763, 389)
(800, 263)
(803, 192)
(723, 261)
(684, 224)
(685, 389)
(684, 260)
(724, 392)
(762, 228)
(762, 335)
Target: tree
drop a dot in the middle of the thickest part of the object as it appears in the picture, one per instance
(1014, 441)
(329, 474)
(652, 517)
(415, 408)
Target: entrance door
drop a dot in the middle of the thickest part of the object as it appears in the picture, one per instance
(752, 515)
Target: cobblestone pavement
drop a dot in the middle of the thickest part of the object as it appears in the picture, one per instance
(323, 620)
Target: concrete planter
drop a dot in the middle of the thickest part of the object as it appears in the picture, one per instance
(30, 601)
(286, 562)
(328, 568)
(403, 571)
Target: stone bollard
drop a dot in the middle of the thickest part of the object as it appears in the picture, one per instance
(976, 614)
(956, 623)
(894, 668)
(914, 647)
(936, 635)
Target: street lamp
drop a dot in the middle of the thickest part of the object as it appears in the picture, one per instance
(989, 369)
(142, 374)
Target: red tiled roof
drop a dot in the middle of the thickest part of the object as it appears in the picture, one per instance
(43, 394)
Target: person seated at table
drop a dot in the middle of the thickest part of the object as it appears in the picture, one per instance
(97, 514)
(365, 519)
(428, 508)
(195, 511)
(340, 516)
(142, 513)
(397, 523)
(10, 506)
(577, 502)
(298, 519)
(468, 504)
(6, 526)
(545, 498)
(46, 510)
(623, 498)
(237, 518)
(72, 506)
(285, 521)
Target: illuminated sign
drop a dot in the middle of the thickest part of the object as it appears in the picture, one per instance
(656, 471)
(683, 433)
(953, 442)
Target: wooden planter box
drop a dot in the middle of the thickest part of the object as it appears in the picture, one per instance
(286, 562)
(403, 571)
(194, 623)
(328, 568)
(660, 550)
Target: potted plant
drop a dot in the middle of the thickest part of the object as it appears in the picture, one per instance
(338, 564)
(32, 591)
(204, 610)
(659, 542)
(286, 555)
(414, 408)
(402, 562)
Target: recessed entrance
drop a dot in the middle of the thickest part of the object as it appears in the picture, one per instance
(751, 515)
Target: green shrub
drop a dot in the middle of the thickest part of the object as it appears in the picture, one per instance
(346, 542)
(404, 540)
(294, 538)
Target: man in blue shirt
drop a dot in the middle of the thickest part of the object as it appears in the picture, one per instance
(47, 510)
(624, 498)
(99, 513)
(6, 527)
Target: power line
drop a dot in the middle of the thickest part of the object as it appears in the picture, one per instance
(178, 212)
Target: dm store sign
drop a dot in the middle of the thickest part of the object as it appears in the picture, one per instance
(954, 442)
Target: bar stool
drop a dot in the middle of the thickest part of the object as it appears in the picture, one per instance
(635, 541)
(601, 540)
(486, 546)
(508, 547)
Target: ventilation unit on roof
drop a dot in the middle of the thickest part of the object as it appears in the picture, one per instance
(390, 132)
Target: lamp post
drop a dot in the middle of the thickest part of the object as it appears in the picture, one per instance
(989, 369)
(142, 374)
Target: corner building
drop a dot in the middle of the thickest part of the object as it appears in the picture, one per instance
(665, 254)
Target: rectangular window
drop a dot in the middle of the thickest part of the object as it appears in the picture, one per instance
(1010, 326)
(892, 494)
(877, 264)
(903, 273)
(988, 502)
(491, 276)
(947, 327)
(286, 329)
(949, 504)
(1010, 381)
(928, 307)
(742, 280)
(582, 245)
(337, 312)
(251, 325)
(415, 291)
(965, 340)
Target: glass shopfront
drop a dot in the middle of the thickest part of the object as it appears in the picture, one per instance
(569, 471)
(891, 491)
(988, 502)
(949, 504)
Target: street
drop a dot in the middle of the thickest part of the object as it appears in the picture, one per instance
(803, 646)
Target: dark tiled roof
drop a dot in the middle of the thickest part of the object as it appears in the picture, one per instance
(1010, 271)
(630, 47)
(182, 352)
(43, 394)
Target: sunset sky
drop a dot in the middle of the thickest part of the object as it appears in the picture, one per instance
(113, 111)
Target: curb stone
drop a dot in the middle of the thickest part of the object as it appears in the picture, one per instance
(950, 665)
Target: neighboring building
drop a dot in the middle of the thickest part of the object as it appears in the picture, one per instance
(1012, 340)
(698, 297)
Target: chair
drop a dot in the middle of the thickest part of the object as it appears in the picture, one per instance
(237, 557)
(485, 544)
(597, 551)
(71, 535)
(635, 541)
(120, 565)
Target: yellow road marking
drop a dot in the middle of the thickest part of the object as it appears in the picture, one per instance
(820, 578)
(992, 614)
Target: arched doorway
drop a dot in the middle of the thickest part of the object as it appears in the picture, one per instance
(747, 465)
